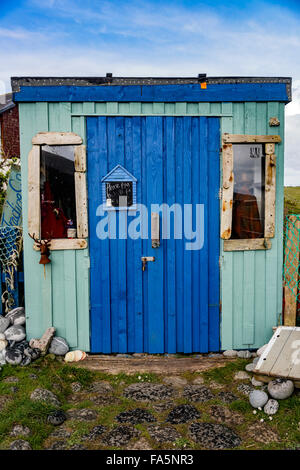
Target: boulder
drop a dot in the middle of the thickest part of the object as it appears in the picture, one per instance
(14, 314)
(241, 375)
(271, 407)
(244, 354)
(249, 367)
(13, 356)
(280, 389)
(41, 394)
(43, 343)
(258, 398)
(58, 346)
(19, 430)
(230, 353)
(3, 344)
(15, 333)
(56, 417)
(175, 381)
(20, 444)
(256, 383)
(4, 324)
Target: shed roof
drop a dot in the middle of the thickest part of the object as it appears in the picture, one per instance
(6, 102)
(111, 88)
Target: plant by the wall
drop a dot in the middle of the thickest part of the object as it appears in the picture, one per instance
(5, 166)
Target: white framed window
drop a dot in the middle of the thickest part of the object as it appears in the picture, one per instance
(57, 191)
(248, 191)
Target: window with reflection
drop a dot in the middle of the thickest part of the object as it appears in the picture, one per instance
(249, 191)
(57, 182)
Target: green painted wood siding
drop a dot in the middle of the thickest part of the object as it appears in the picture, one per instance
(251, 292)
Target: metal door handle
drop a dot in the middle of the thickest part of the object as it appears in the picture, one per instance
(145, 260)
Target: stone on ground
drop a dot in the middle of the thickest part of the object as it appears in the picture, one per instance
(182, 414)
(163, 433)
(249, 367)
(256, 383)
(19, 430)
(214, 436)
(94, 433)
(244, 354)
(245, 389)
(101, 387)
(41, 394)
(16, 316)
(280, 389)
(271, 407)
(258, 398)
(4, 324)
(198, 393)
(136, 416)
(56, 418)
(141, 444)
(241, 375)
(225, 415)
(83, 414)
(15, 333)
(198, 380)
(13, 356)
(20, 444)
(76, 387)
(148, 392)
(120, 436)
(259, 432)
(230, 353)
(175, 381)
(227, 397)
(58, 346)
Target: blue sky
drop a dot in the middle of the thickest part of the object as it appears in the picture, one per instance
(156, 38)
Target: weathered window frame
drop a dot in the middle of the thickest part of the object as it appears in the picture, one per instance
(227, 191)
(34, 202)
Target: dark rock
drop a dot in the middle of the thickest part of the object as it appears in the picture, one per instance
(58, 346)
(61, 432)
(25, 361)
(41, 394)
(227, 397)
(77, 447)
(163, 433)
(224, 415)
(120, 436)
(182, 414)
(20, 444)
(245, 389)
(198, 393)
(19, 430)
(83, 414)
(76, 387)
(163, 406)
(56, 417)
(13, 356)
(148, 392)
(136, 416)
(214, 436)
(58, 445)
(94, 433)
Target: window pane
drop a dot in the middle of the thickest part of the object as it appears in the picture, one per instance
(58, 207)
(249, 191)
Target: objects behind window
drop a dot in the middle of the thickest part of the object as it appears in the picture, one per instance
(249, 191)
(119, 194)
(58, 204)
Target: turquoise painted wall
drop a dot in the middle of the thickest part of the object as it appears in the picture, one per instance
(251, 292)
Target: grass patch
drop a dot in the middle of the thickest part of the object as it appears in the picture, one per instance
(224, 375)
(292, 199)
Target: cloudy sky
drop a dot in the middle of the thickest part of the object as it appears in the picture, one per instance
(158, 38)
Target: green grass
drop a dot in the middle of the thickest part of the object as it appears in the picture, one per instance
(56, 376)
(292, 199)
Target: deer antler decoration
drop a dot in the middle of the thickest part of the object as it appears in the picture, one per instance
(44, 246)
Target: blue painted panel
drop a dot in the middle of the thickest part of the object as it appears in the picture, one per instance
(158, 93)
(173, 306)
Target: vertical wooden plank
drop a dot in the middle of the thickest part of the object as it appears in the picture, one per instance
(81, 204)
(270, 190)
(154, 155)
(187, 254)
(88, 108)
(33, 185)
(100, 108)
(58, 294)
(170, 263)
(178, 243)
(213, 230)
(227, 191)
(82, 298)
(137, 244)
(70, 306)
(203, 279)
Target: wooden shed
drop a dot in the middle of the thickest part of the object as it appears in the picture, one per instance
(163, 201)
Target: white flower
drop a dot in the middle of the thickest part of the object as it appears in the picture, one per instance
(254, 412)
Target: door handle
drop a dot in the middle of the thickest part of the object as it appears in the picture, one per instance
(145, 260)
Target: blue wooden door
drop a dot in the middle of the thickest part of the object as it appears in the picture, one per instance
(172, 306)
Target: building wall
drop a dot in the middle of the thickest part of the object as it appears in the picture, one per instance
(10, 141)
(251, 292)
